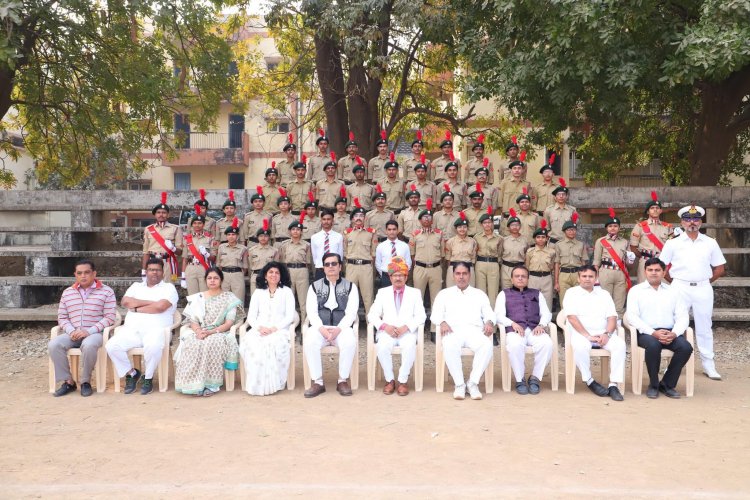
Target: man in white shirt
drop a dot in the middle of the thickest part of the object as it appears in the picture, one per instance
(591, 314)
(524, 314)
(396, 314)
(151, 306)
(657, 311)
(332, 304)
(324, 241)
(389, 248)
(696, 262)
(466, 319)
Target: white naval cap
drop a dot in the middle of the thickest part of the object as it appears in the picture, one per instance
(691, 211)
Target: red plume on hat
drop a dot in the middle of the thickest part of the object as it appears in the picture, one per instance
(383, 135)
(303, 160)
(446, 187)
(359, 160)
(486, 162)
(333, 156)
(310, 196)
(422, 159)
(514, 140)
(163, 197)
(525, 190)
(259, 189)
(321, 132)
(552, 158)
(235, 223)
(273, 164)
(478, 188)
(522, 157)
(562, 182)
(543, 224)
(512, 212)
(574, 217)
(202, 193)
(447, 135)
(231, 195)
(462, 215)
(342, 192)
(351, 135)
(265, 224)
(428, 204)
(378, 188)
(413, 187)
(612, 214)
(452, 156)
(489, 210)
(357, 203)
(392, 157)
(196, 207)
(302, 217)
(419, 135)
(291, 137)
(282, 191)
(653, 196)
(480, 139)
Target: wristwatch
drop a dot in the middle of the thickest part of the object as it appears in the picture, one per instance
(609, 334)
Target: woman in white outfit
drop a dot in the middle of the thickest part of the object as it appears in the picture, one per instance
(265, 347)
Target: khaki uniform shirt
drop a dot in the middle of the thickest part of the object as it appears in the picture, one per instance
(436, 172)
(639, 239)
(280, 224)
(570, 253)
(557, 216)
(272, 195)
(311, 226)
(426, 246)
(409, 175)
(377, 221)
(461, 249)
(489, 246)
(341, 222)
(426, 190)
(529, 224)
(327, 192)
(259, 255)
(491, 196)
(252, 222)
(345, 166)
(363, 192)
(459, 193)
(542, 196)
(514, 249)
(472, 215)
(510, 189)
(231, 256)
(472, 166)
(360, 243)
(205, 239)
(297, 192)
(408, 222)
(376, 169)
(219, 228)
(394, 194)
(444, 222)
(315, 164)
(541, 260)
(209, 225)
(290, 252)
(286, 172)
(169, 231)
(601, 254)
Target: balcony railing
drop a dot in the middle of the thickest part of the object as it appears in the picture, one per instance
(208, 140)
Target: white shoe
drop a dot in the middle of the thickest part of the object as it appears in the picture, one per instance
(474, 391)
(459, 392)
(709, 369)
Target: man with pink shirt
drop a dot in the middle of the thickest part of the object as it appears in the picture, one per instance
(85, 310)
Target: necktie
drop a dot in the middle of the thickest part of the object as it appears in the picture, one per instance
(393, 248)
(326, 245)
(397, 298)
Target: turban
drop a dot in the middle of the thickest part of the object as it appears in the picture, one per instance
(398, 265)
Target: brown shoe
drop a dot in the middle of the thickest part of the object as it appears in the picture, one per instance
(403, 389)
(344, 389)
(389, 388)
(315, 390)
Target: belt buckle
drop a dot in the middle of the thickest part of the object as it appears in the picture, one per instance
(692, 283)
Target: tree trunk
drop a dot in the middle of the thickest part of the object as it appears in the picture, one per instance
(331, 80)
(360, 111)
(716, 132)
(6, 89)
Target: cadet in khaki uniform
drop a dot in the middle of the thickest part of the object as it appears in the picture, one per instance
(513, 186)
(196, 257)
(426, 247)
(297, 190)
(474, 212)
(570, 255)
(259, 255)
(540, 261)
(171, 243)
(558, 213)
(614, 276)
(529, 220)
(231, 258)
(346, 164)
(460, 200)
(341, 219)
(286, 166)
(280, 222)
(460, 248)
(543, 196)
(376, 165)
(512, 152)
(438, 167)
(230, 209)
(328, 189)
(393, 187)
(648, 236)
(417, 145)
(479, 160)
(271, 189)
(295, 253)
(254, 220)
(315, 167)
(360, 189)
(489, 249)
(445, 218)
(359, 253)
(312, 221)
(201, 208)
(491, 193)
(427, 189)
(377, 218)
(408, 219)
(514, 249)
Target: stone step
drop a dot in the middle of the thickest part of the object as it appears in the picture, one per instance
(40, 251)
(68, 229)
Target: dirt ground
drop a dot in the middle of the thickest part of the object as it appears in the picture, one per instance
(426, 445)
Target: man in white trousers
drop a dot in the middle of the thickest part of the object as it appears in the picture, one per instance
(524, 314)
(396, 315)
(466, 319)
(151, 307)
(592, 315)
(696, 262)
(332, 304)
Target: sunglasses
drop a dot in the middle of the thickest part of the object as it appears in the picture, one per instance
(330, 264)
(691, 218)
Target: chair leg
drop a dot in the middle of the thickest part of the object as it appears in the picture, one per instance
(604, 363)
(306, 372)
(690, 376)
(505, 369)
(419, 370)
(115, 378)
(489, 377)
(554, 370)
(101, 370)
(355, 368)
(163, 370)
(290, 382)
(570, 370)
(635, 364)
(371, 367)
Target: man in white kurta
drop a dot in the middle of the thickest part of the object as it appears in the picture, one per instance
(524, 314)
(466, 319)
(396, 314)
(151, 306)
(592, 316)
(331, 323)
(696, 262)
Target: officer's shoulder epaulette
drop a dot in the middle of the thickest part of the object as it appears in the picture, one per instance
(438, 231)
(416, 232)
(370, 230)
(348, 230)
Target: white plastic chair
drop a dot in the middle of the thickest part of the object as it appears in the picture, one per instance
(554, 370)
(372, 359)
(330, 349)
(290, 374)
(440, 371)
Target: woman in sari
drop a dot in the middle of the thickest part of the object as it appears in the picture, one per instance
(206, 345)
(265, 347)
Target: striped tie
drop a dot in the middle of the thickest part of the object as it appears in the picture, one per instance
(393, 248)
(326, 245)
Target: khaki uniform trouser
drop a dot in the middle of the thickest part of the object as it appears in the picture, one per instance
(252, 276)
(431, 279)
(567, 280)
(235, 283)
(361, 275)
(613, 281)
(544, 285)
(300, 283)
(505, 276)
(195, 275)
(488, 279)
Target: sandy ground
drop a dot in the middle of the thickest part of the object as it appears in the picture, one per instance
(426, 445)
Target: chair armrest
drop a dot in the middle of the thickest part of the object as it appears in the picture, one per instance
(552, 332)
(295, 321)
(690, 336)
(55, 331)
(370, 334)
(420, 336)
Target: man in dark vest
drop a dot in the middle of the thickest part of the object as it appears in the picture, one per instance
(332, 304)
(524, 314)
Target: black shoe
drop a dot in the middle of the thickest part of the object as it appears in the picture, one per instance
(598, 389)
(534, 385)
(495, 342)
(131, 381)
(670, 393)
(86, 390)
(432, 337)
(652, 392)
(522, 388)
(614, 393)
(64, 389)
(147, 387)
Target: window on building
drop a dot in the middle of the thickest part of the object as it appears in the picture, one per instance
(272, 65)
(182, 181)
(139, 185)
(182, 131)
(236, 129)
(278, 127)
(576, 165)
(236, 180)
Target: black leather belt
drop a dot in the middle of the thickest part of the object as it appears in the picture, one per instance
(486, 259)
(454, 263)
(540, 274)
(426, 265)
(647, 254)
(281, 238)
(253, 239)
(231, 269)
(381, 239)
(569, 269)
(158, 255)
(358, 262)
(609, 265)
(296, 266)
(553, 240)
(512, 264)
